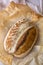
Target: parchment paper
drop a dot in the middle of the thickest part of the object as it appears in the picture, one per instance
(35, 57)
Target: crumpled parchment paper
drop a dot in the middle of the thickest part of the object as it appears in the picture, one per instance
(35, 57)
(36, 5)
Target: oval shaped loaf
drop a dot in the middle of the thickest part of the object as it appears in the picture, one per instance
(20, 38)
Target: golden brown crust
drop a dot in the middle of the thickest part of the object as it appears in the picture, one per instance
(13, 37)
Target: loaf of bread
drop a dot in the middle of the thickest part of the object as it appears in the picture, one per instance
(20, 38)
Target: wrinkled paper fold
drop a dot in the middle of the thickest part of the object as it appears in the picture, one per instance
(35, 5)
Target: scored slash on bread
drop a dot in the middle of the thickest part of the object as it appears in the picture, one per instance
(16, 35)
